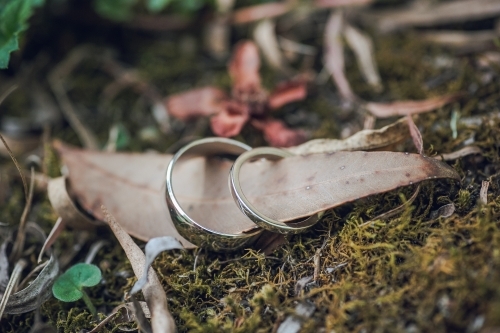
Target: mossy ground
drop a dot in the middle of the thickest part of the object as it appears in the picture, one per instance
(407, 273)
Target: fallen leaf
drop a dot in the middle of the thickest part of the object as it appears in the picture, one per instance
(260, 12)
(63, 204)
(469, 150)
(334, 55)
(463, 41)
(302, 283)
(340, 3)
(298, 186)
(434, 14)
(483, 193)
(404, 108)
(154, 247)
(195, 103)
(277, 134)
(154, 294)
(39, 290)
(244, 71)
(264, 36)
(362, 140)
(96, 179)
(287, 92)
(443, 211)
(362, 46)
(230, 120)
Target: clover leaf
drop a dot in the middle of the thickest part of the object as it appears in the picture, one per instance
(69, 286)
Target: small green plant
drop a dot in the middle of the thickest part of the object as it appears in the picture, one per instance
(68, 287)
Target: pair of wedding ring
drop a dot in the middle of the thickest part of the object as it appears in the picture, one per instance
(214, 240)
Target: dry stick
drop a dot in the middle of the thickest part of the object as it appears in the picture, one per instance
(161, 319)
(317, 263)
(7, 93)
(56, 83)
(18, 246)
(23, 179)
(16, 274)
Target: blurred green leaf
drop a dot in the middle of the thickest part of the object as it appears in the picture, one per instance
(14, 15)
(116, 10)
(157, 5)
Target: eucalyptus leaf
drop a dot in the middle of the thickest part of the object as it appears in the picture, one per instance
(34, 295)
(38, 291)
(153, 248)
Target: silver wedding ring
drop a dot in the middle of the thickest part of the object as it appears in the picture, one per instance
(192, 230)
(252, 212)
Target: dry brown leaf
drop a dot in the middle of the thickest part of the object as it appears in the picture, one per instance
(438, 14)
(340, 3)
(469, 150)
(464, 41)
(195, 103)
(334, 55)
(132, 186)
(362, 140)
(287, 92)
(260, 12)
(362, 46)
(161, 319)
(129, 185)
(404, 108)
(264, 35)
(63, 204)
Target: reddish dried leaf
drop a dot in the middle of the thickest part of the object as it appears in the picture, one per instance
(195, 103)
(404, 108)
(287, 92)
(334, 55)
(277, 134)
(244, 69)
(438, 13)
(231, 120)
(259, 12)
(469, 150)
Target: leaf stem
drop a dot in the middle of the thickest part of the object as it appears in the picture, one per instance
(89, 304)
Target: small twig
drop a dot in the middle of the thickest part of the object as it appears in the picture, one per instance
(23, 179)
(55, 79)
(18, 246)
(317, 264)
(6, 94)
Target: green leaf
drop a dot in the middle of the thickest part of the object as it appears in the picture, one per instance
(157, 5)
(116, 10)
(68, 286)
(14, 16)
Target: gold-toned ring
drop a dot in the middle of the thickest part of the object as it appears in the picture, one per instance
(193, 231)
(248, 209)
